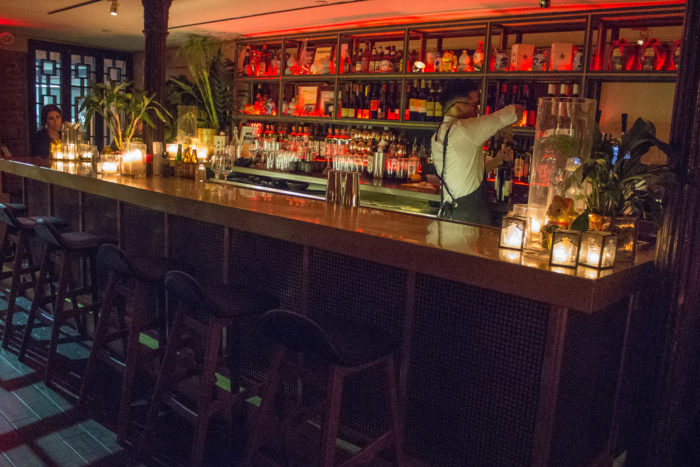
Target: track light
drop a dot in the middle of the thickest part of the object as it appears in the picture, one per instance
(113, 9)
(544, 3)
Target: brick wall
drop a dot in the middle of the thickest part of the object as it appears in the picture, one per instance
(14, 128)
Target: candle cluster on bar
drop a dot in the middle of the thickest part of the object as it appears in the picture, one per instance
(591, 248)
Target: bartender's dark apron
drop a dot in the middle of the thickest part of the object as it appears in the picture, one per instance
(473, 208)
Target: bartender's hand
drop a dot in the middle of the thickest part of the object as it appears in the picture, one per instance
(504, 154)
(519, 110)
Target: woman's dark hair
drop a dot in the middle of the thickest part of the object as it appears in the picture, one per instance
(458, 88)
(45, 113)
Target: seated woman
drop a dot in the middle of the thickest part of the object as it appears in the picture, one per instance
(51, 121)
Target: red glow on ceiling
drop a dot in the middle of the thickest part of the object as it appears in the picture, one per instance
(452, 16)
(12, 22)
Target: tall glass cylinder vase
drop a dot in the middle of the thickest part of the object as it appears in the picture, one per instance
(563, 140)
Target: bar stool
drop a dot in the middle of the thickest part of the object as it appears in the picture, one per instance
(16, 248)
(132, 281)
(343, 348)
(206, 312)
(61, 249)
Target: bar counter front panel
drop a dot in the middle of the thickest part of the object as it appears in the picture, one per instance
(502, 362)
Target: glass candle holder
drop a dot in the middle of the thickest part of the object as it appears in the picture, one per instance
(513, 230)
(134, 160)
(598, 249)
(565, 247)
(109, 164)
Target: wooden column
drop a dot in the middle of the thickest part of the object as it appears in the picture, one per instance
(155, 28)
(677, 259)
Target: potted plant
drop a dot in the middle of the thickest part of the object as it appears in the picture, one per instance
(619, 187)
(211, 89)
(122, 108)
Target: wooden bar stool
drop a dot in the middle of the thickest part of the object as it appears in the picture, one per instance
(16, 248)
(132, 281)
(61, 249)
(204, 312)
(343, 348)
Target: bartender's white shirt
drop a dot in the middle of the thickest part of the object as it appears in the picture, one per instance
(465, 161)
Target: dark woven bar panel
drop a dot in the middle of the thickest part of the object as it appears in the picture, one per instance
(475, 374)
(265, 262)
(37, 196)
(143, 230)
(65, 205)
(587, 389)
(275, 266)
(365, 292)
(100, 215)
(200, 245)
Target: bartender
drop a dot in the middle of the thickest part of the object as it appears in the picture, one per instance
(457, 151)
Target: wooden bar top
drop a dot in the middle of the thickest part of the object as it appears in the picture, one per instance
(460, 252)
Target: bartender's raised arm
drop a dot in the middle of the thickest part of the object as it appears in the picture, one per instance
(479, 129)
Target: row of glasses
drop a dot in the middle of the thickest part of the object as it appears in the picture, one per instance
(222, 163)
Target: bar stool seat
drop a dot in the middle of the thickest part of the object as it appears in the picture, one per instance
(134, 280)
(238, 300)
(203, 312)
(62, 249)
(345, 348)
(16, 248)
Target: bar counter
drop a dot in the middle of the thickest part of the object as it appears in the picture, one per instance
(504, 359)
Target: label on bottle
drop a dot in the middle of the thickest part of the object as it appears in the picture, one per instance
(385, 66)
(413, 104)
(371, 66)
(422, 106)
(616, 60)
(430, 110)
(649, 59)
(519, 164)
(438, 110)
(374, 105)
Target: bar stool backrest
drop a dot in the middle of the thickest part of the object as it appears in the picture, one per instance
(299, 334)
(46, 231)
(7, 216)
(114, 259)
(186, 289)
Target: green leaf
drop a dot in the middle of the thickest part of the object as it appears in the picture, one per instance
(581, 222)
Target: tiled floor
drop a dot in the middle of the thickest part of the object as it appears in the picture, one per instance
(42, 426)
(38, 426)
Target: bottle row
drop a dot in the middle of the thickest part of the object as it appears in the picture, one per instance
(313, 148)
(370, 57)
(382, 100)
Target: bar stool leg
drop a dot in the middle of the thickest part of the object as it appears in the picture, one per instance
(174, 342)
(20, 249)
(100, 335)
(393, 398)
(63, 278)
(206, 391)
(132, 350)
(36, 302)
(331, 416)
(272, 386)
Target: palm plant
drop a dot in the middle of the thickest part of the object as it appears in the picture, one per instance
(624, 185)
(212, 74)
(122, 108)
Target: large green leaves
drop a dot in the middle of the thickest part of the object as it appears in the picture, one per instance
(122, 108)
(625, 186)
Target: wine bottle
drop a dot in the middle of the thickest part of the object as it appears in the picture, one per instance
(373, 102)
(422, 103)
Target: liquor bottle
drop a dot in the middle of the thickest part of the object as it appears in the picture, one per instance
(551, 89)
(372, 60)
(518, 166)
(366, 103)
(438, 61)
(413, 102)
(514, 94)
(576, 90)
(365, 60)
(398, 60)
(478, 57)
(358, 60)
(264, 61)
(502, 97)
(383, 110)
(503, 182)
(246, 62)
(373, 102)
(530, 108)
(438, 105)
(422, 102)
(430, 104)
